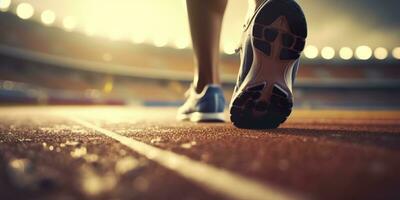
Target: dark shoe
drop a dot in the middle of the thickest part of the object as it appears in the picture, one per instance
(271, 46)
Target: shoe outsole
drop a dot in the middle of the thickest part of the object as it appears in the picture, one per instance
(271, 113)
(248, 110)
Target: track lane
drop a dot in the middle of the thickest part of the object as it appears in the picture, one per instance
(224, 182)
(63, 160)
(324, 155)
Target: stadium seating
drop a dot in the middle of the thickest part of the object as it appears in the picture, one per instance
(48, 76)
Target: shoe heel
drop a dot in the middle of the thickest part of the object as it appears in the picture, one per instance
(261, 106)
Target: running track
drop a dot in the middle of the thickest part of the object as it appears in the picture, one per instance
(143, 153)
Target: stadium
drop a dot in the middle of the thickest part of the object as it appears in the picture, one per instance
(89, 92)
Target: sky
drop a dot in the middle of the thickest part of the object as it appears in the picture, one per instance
(336, 23)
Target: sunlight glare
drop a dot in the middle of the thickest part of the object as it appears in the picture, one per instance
(132, 20)
(69, 23)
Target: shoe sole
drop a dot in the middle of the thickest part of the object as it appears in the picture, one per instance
(202, 117)
(278, 33)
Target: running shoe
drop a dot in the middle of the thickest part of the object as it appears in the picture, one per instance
(272, 42)
(208, 106)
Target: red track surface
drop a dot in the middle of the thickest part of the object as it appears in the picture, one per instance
(45, 154)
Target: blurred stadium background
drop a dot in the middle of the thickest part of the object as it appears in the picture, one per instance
(138, 52)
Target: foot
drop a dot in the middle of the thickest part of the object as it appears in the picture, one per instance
(271, 46)
(208, 106)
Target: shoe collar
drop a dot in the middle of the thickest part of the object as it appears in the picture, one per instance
(246, 26)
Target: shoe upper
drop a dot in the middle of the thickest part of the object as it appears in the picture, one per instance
(271, 45)
(261, 36)
(210, 100)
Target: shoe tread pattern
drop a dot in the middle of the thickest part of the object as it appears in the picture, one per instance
(274, 111)
(248, 110)
(293, 42)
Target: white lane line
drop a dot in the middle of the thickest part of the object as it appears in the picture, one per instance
(219, 180)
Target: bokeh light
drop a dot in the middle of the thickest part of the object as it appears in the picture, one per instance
(346, 53)
(328, 53)
(160, 41)
(311, 52)
(4, 5)
(396, 53)
(25, 10)
(48, 17)
(381, 53)
(181, 43)
(69, 23)
(229, 47)
(138, 38)
(363, 52)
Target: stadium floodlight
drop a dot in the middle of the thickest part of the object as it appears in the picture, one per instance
(311, 52)
(48, 17)
(381, 53)
(4, 5)
(328, 53)
(346, 53)
(396, 53)
(138, 38)
(25, 10)
(363, 52)
(182, 43)
(160, 41)
(69, 23)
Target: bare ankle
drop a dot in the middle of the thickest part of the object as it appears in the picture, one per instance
(199, 86)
